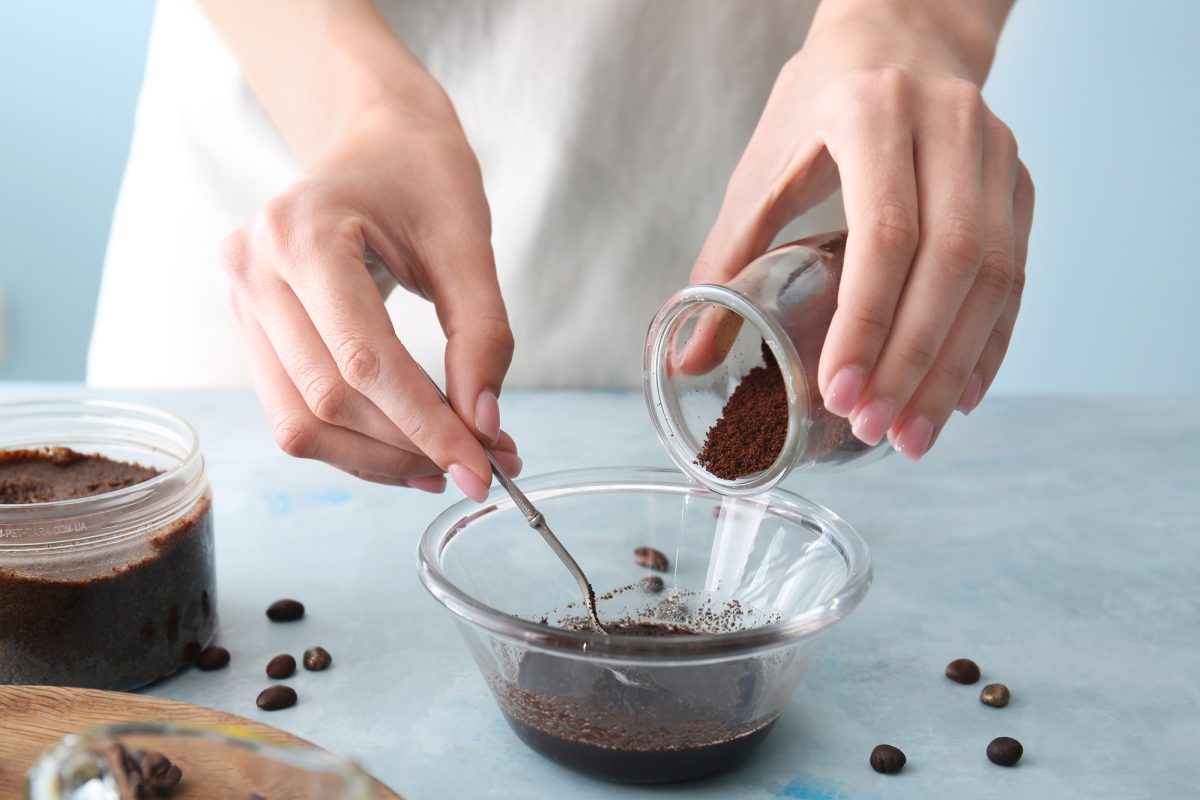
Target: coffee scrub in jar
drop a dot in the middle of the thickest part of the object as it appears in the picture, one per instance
(730, 373)
(106, 545)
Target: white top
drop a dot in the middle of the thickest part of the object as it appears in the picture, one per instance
(606, 132)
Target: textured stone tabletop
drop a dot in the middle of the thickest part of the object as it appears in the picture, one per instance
(1054, 541)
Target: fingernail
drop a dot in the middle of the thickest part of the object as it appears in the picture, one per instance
(434, 484)
(970, 395)
(509, 462)
(873, 421)
(487, 416)
(844, 389)
(469, 482)
(914, 437)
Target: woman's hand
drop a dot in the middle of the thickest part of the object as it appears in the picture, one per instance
(387, 166)
(885, 96)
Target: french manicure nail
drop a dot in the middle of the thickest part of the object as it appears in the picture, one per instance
(873, 421)
(434, 484)
(509, 462)
(970, 395)
(468, 482)
(914, 437)
(487, 415)
(844, 390)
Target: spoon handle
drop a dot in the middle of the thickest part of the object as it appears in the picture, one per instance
(538, 522)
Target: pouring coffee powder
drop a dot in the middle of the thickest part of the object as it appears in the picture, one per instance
(749, 435)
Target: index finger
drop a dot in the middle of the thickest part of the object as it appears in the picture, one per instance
(879, 190)
(348, 312)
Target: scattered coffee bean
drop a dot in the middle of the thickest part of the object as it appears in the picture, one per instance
(149, 773)
(211, 658)
(285, 610)
(1005, 751)
(962, 670)
(317, 659)
(995, 694)
(887, 759)
(281, 666)
(650, 558)
(652, 584)
(154, 765)
(164, 784)
(276, 697)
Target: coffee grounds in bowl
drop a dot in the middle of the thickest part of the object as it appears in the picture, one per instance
(633, 728)
(749, 435)
(647, 724)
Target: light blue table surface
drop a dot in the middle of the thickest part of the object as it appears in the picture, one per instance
(1055, 541)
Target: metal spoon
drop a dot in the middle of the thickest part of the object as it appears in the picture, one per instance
(538, 522)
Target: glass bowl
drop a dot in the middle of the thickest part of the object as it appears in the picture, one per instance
(749, 587)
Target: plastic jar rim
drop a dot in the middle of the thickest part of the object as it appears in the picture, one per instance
(190, 464)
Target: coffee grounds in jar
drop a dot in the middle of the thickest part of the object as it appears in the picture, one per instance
(51, 474)
(749, 435)
(121, 626)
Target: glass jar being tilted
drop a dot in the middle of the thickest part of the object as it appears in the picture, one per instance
(706, 339)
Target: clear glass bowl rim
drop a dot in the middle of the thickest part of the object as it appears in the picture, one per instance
(788, 631)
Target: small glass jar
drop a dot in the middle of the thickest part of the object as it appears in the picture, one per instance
(706, 338)
(116, 589)
(212, 760)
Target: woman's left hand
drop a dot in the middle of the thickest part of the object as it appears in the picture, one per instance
(885, 97)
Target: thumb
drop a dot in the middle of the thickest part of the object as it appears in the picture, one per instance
(746, 225)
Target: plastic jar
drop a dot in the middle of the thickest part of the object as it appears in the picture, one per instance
(116, 589)
(706, 337)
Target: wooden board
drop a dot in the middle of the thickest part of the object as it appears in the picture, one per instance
(33, 718)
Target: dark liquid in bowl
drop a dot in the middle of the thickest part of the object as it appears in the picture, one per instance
(638, 725)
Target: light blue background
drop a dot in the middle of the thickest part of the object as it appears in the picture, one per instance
(1103, 97)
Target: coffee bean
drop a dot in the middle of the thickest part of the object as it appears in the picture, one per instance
(285, 610)
(211, 658)
(164, 784)
(154, 765)
(995, 694)
(276, 697)
(887, 759)
(1005, 751)
(962, 670)
(281, 666)
(149, 773)
(317, 659)
(652, 584)
(650, 558)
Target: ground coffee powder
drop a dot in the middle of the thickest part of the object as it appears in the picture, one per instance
(111, 617)
(749, 435)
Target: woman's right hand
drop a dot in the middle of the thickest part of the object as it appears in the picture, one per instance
(335, 381)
